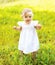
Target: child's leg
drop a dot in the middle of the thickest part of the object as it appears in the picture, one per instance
(21, 56)
(34, 55)
(21, 52)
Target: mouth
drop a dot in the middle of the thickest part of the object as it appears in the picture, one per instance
(28, 21)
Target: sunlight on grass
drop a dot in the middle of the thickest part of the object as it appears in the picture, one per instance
(37, 4)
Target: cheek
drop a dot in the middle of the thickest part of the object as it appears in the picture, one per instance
(30, 18)
(25, 18)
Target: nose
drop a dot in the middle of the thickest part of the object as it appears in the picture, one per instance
(28, 18)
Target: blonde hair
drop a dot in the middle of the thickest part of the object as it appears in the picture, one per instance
(26, 10)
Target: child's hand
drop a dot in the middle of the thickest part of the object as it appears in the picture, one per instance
(14, 27)
(17, 28)
(38, 26)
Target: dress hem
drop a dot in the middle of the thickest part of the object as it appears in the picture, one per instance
(29, 51)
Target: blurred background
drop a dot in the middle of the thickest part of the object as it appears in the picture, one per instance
(44, 12)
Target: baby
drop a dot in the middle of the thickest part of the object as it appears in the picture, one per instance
(28, 42)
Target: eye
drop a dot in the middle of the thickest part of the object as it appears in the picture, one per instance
(30, 16)
(25, 16)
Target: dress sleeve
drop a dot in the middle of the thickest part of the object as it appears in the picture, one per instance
(35, 23)
(20, 23)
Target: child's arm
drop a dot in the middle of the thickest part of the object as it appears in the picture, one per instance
(38, 26)
(17, 28)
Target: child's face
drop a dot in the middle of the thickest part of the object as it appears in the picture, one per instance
(27, 17)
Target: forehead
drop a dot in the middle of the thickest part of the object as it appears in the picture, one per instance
(28, 14)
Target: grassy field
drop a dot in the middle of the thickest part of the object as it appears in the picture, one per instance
(9, 16)
(36, 4)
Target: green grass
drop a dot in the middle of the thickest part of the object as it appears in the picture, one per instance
(11, 56)
(9, 53)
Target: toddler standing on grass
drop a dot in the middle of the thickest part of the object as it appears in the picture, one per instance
(28, 42)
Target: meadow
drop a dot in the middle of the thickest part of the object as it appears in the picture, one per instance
(9, 53)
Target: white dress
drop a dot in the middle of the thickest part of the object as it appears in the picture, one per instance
(28, 41)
